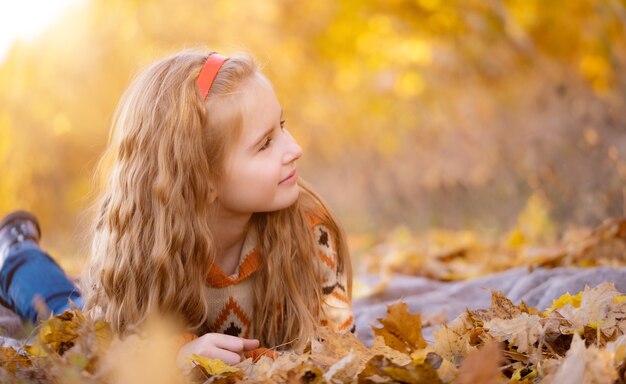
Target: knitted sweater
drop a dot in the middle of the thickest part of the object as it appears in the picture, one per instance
(231, 298)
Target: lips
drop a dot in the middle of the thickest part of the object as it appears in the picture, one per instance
(291, 176)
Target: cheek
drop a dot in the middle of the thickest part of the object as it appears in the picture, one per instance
(252, 180)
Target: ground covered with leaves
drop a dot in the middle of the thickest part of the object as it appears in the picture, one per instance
(579, 339)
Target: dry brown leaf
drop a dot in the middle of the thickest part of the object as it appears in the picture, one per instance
(304, 373)
(343, 371)
(269, 370)
(380, 368)
(336, 344)
(451, 345)
(501, 308)
(584, 366)
(11, 360)
(57, 334)
(380, 348)
(593, 308)
(481, 365)
(401, 330)
(523, 331)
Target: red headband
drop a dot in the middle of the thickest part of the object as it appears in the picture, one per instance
(208, 72)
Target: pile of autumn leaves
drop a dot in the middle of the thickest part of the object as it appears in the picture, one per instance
(580, 339)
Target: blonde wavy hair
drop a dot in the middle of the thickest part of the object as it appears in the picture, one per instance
(153, 244)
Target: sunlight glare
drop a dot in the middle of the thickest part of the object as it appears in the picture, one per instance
(25, 19)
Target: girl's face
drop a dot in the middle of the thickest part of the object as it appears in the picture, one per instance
(260, 169)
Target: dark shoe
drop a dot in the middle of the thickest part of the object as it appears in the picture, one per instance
(17, 227)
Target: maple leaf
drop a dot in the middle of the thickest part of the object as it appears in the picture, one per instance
(401, 330)
(344, 370)
(380, 348)
(523, 331)
(451, 345)
(614, 323)
(582, 365)
(553, 334)
(57, 334)
(212, 366)
(336, 344)
(380, 368)
(501, 307)
(271, 370)
(11, 360)
(593, 309)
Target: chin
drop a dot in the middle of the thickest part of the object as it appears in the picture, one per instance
(288, 201)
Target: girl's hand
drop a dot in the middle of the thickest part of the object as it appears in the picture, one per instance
(228, 348)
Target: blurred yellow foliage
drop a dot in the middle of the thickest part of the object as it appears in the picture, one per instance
(422, 113)
(533, 224)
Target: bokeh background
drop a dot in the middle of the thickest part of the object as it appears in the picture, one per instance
(416, 114)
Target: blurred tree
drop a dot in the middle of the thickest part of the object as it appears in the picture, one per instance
(422, 112)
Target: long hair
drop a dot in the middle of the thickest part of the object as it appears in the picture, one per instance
(153, 243)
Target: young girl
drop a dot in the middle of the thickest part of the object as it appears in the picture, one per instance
(203, 216)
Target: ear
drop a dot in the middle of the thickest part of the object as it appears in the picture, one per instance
(213, 193)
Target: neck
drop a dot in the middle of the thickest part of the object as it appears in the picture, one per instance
(229, 229)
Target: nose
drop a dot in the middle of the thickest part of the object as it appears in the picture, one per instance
(293, 151)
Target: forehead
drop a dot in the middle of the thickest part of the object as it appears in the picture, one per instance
(260, 106)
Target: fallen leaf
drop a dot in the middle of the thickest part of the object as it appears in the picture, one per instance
(379, 367)
(212, 366)
(523, 331)
(582, 365)
(451, 345)
(481, 365)
(343, 371)
(401, 330)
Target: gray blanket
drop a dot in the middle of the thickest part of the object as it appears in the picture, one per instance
(537, 288)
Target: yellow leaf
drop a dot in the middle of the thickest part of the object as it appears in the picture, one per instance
(619, 299)
(401, 330)
(515, 239)
(574, 301)
(212, 366)
(35, 350)
(57, 334)
(523, 373)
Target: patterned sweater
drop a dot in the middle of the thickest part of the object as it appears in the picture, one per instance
(231, 299)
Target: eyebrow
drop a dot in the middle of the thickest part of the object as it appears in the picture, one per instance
(264, 135)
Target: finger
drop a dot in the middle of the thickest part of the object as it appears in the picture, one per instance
(250, 344)
(231, 343)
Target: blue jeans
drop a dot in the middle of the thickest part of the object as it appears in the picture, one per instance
(29, 275)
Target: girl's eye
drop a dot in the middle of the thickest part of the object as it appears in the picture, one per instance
(282, 124)
(266, 144)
